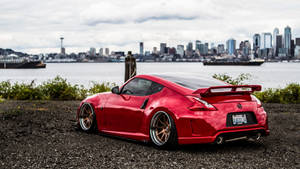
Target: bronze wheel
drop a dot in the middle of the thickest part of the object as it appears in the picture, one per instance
(160, 128)
(86, 117)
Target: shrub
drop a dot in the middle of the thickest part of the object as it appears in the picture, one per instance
(228, 79)
(100, 87)
(1, 99)
(54, 89)
(289, 94)
(59, 89)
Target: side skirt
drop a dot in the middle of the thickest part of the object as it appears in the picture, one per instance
(134, 136)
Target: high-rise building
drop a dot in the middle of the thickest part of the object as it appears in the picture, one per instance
(297, 42)
(180, 50)
(155, 50)
(101, 52)
(279, 44)
(106, 51)
(206, 48)
(172, 51)
(275, 33)
(92, 52)
(189, 49)
(266, 45)
(292, 48)
(197, 45)
(287, 39)
(245, 48)
(231, 46)
(256, 44)
(163, 48)
(62, 49)
(256, 41)
(141, 48)
(221, 49)
(266, 41)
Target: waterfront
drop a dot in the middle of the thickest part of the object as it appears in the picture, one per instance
(269, 74)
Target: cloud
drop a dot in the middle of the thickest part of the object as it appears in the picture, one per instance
(35, 26)
(108, 12)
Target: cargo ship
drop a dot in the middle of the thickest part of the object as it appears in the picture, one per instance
(233, 63)
(21, 64)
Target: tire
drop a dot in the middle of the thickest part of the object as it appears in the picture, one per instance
(162, 130)
(87, 118)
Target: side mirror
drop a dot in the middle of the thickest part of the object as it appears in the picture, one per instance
(115, 90)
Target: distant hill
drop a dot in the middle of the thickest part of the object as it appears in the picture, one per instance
(10, 51)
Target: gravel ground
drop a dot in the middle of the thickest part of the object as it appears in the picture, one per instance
(42, 134)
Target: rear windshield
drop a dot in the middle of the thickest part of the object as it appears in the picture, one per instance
(193, 82)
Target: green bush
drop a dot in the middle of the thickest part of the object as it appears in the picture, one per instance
(289, 94)
(228, 79)
(54, 89)
(1, 99)
(100, 87)
(59, 89)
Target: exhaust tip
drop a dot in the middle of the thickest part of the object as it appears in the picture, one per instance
(257, 136)
(219, 140)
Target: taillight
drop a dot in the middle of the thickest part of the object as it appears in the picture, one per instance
(257, 100)
(200, 104)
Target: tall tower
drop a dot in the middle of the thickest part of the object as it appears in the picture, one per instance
(287, 39)
(275, 33)
(62, 49)
(141, 48)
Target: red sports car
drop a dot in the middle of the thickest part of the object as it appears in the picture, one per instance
(168, 110)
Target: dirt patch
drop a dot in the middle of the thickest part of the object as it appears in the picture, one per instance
(42, 134)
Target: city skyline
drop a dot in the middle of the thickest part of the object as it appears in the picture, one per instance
(34, 27)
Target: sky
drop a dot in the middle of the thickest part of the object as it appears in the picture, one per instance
(35, 26)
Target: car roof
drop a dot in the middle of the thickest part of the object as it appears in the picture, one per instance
(182, 83)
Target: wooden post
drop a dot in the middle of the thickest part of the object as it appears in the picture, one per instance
(130, 66)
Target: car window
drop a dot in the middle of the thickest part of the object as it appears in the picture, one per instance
(193, 82)
(141, 87)
(155, 87)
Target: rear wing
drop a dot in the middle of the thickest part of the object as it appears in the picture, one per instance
(228, 90)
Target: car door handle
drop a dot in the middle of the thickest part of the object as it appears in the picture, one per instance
(144, 103)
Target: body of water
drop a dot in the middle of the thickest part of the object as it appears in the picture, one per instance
(269, 75)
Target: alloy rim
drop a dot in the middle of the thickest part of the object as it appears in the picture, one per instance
(86, 116)
(160, 128)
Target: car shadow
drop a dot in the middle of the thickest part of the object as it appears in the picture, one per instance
(235, 146)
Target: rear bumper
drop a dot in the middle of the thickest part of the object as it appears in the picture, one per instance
(227, 133)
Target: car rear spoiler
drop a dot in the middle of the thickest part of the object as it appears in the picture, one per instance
(227, 90)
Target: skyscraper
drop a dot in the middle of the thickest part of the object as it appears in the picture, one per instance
(221, 48)
(275, 33)
(197, 45)
(163, 47)
(180, 50)
(62, 49)
(141, 48)
(189, 49)
(256, 41)
(231, 46)
(287, 39)
(154, 50)
(266, 41)
(297, 42)
(92, 52)
(107, 51)
(279, 44)
(101, 51)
